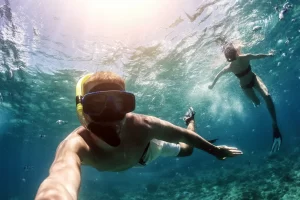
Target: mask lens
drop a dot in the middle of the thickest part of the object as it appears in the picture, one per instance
(94, 103)
(128, 102)
(122, 102)
(116, 101)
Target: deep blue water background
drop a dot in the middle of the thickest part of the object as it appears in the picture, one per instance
(42, 55)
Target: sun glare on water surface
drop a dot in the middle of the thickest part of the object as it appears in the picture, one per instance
(122, 11)
(118, 19)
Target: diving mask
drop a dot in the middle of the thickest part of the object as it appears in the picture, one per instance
(108, 104)
(103, 106)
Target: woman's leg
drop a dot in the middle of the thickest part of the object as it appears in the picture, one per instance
(262, 89)
(249, 92)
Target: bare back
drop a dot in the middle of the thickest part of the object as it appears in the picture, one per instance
(134, 136)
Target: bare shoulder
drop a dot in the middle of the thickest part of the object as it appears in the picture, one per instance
(245, 56)
(144, 126)
(150, 122)
(140, 121)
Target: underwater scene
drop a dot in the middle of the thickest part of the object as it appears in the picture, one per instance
(168, 52)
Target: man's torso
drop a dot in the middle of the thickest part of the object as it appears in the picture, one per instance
(134, 140)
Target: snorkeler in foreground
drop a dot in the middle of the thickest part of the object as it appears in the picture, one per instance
(114, 139)
(240, 66)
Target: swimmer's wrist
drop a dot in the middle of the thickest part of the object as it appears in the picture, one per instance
(214, 150)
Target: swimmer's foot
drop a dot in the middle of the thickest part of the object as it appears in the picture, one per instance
(189, 115)
(277, 139)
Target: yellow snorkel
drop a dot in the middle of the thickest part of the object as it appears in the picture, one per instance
(79, 95)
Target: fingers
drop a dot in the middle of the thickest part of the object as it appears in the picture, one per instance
(227, 147)
(236, 152)
(232, 148)
(233, 153)
(230, 151)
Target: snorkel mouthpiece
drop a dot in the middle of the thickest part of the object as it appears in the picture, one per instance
(107, 133)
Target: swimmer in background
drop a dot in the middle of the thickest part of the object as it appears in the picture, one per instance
(240, 66)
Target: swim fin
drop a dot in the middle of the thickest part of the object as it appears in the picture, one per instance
(212, 141)
(189, 115)
(277, 139)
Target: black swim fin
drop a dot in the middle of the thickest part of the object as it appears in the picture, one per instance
(189, 115)
(212, 141)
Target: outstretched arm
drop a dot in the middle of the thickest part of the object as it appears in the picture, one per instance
(221, 73)
(64, 179)
(258, 56)
(166, 131)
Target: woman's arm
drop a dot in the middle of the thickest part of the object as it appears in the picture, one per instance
(64, 178)
(258, 56)
(221, 73)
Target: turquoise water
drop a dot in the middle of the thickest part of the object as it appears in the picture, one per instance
(168, 61)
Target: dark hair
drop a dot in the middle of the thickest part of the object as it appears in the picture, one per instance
(230, 53)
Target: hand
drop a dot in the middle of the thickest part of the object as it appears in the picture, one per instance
(271, 53)
(210, 87)
(225, 151)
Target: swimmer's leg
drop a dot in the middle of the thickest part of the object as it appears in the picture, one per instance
(185, 149)
(262, 89)
(249, 92)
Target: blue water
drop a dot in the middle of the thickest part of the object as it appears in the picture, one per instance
(168, 61)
